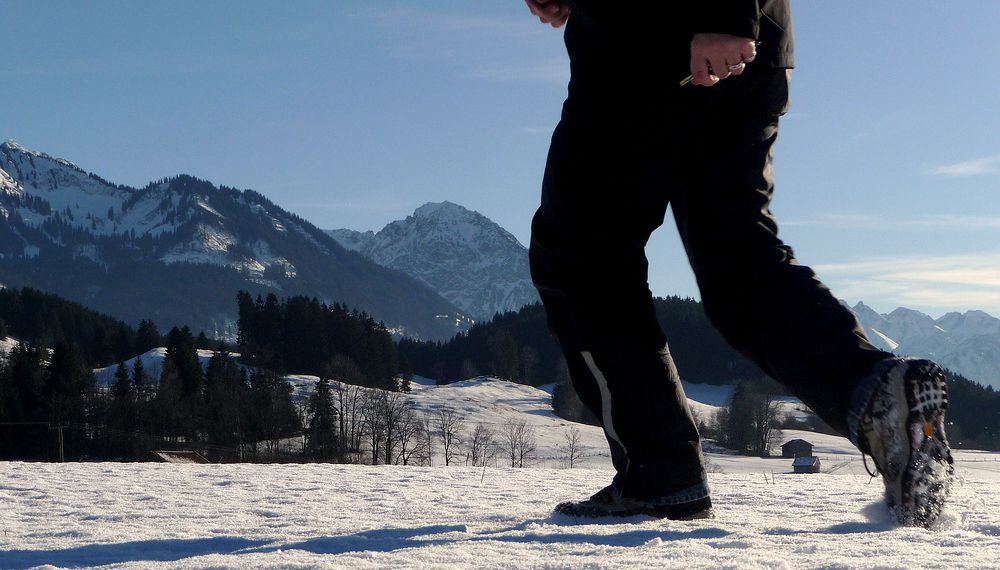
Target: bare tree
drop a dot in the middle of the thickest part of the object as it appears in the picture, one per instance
(383, 415)
(393, 406)
(573, 447)
(373, 423)
(519, 442)
(409, 436)
(449, 427)
(348, 392)
(482, 447)
(426, 453)
(766, 416)
(348, 401)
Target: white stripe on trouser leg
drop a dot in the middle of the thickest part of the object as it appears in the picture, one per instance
(602, 383)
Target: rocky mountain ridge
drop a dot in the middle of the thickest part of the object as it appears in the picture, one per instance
(178, 250)
(967, 343)
(464, 256)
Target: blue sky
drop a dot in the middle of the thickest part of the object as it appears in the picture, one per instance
(352, 114)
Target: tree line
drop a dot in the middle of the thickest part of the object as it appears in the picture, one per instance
(517, 346)
(300, 335)
(43, 319)
(243, 407)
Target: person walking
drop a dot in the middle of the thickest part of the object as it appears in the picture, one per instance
(677, 104)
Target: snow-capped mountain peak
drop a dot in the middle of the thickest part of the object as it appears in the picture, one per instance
(13, 147)
(967, 343)
(461, 254)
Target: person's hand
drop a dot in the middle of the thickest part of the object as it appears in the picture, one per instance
(715, 57)
(554, 12)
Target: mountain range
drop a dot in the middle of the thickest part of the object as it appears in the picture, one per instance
(463, 255)
(178, 250)
(967, 343)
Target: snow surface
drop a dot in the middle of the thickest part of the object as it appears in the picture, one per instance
(158, 516)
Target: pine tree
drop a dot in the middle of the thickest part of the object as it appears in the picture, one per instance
(182, 353)
(123, 413)
(321, 442)
(203, 342)
(274, 416)
(68, 382)
(139, 378)
(21, 381)
(122, 387)
(147, 337)
(226, 395)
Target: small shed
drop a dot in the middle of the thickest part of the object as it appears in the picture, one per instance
(796, 448)
(178, 457)
(806, 465)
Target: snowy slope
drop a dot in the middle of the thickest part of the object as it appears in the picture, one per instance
(6, 345)
(461, 254)
(172, 516)
(167, 516)
(152, 363)
(493, 402)
(967, 343)
(83, 201)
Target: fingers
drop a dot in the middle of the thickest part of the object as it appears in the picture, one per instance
(715, 57)
(554, 12)
(701, 73)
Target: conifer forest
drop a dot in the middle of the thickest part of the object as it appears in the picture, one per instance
(236, 403)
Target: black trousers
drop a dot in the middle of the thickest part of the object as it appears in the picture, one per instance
(630, 143)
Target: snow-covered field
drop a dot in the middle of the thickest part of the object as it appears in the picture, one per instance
(145, 515)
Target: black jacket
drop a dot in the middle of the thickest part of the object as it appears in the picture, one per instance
(663, 28)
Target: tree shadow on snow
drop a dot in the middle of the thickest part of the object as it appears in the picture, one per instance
(388, 540)
(121, 552)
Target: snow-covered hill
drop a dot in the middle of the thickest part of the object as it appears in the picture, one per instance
(178, 250)
(470, 260)
(492, 402)
(967, 343)
(156, 516)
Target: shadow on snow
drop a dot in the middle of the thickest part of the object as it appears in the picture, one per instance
(117, 553)
(376, 540)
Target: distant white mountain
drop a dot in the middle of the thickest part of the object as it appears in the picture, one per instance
(967, 343)
(464, 256)
(178, 250)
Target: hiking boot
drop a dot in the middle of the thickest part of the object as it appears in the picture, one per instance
(608, 502)
(902, 428)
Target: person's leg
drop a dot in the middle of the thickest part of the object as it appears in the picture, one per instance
(603, 194)
(600, 202)
(764, 302)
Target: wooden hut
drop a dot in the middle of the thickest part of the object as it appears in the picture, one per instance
(806, 465)
(796, 448)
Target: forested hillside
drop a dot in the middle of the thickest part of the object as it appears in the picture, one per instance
(241, 408)
(42, 319)
(517, 346)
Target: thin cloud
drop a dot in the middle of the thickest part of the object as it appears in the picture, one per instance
(978, 167)
(951, 283)
(549, 70)
(493, 48)
(871, 222)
